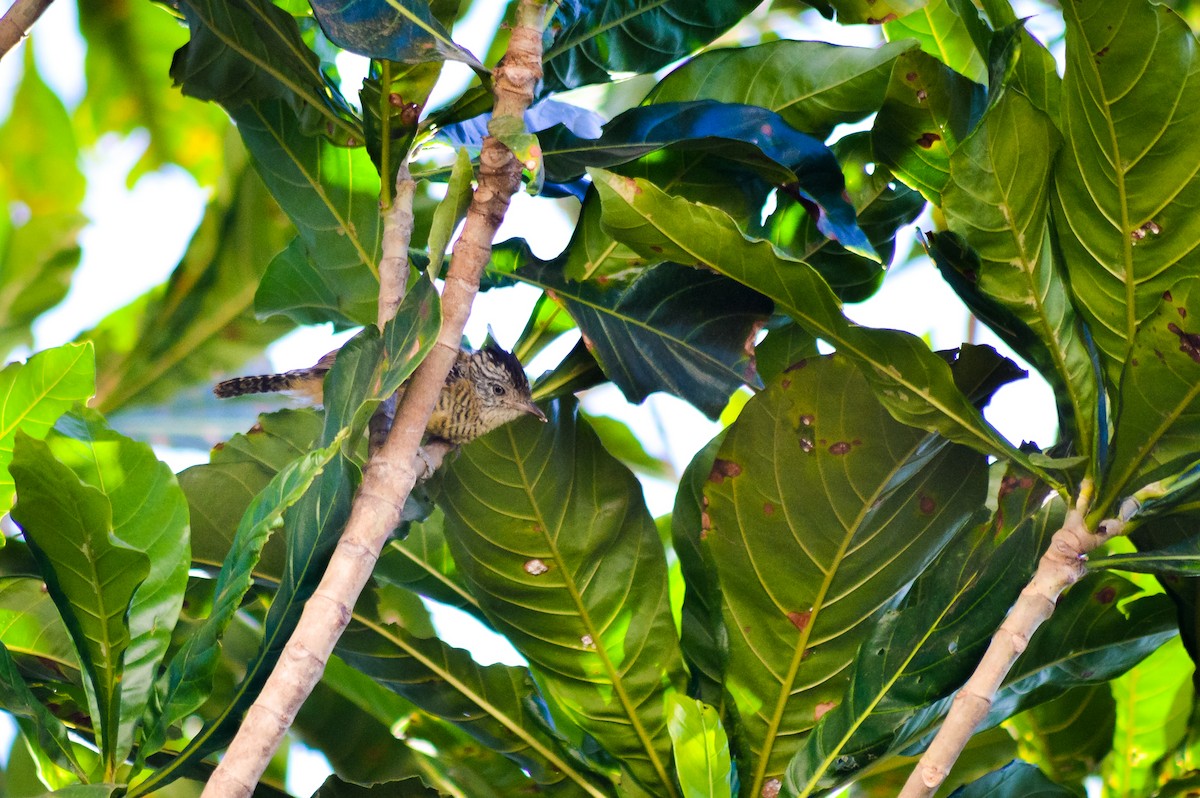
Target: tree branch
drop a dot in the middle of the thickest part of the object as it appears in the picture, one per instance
(391, 472)
(17, 21)
(1063, 564)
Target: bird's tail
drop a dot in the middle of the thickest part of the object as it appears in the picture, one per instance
(260, 383)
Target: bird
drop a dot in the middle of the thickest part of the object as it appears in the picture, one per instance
(484, 390)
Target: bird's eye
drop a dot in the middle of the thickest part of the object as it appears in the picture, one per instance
(498, 390)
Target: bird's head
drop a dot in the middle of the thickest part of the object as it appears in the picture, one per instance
(502, 387)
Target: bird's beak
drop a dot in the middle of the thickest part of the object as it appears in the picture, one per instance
(535, 411)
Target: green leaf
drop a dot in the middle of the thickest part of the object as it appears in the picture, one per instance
(671, 329)
(36, 393)
(31, 627)
(1154, 701)
(451, 210)
(1124, 188)
(803, 559)
(394, 30)
(493, 704)
(1181, 558)
(567, 563)
(943, 34)
(37, 722)
(590, 40)
(331, 271)
(998, 199)
(701, 749)
(915, 384)
(1014, 780)
(91, 574)
(422, 562)
(546, 323)
(187, 681)
(149, 514)
(201, 321)
(249, 51)
(40, 180)
(622, 444)
(928, 109)
(873, 12)
(813, 86)
(1069, 735)
(391, 97)
(1158, 415)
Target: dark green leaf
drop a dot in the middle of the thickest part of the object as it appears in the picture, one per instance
(1126, 182)
(36, 720)
(813, 86)
(590, 40)
(997, 199)
(1070, 735)
(821, 507)
(90, 573)
(744, 134)
(37, 392)
(567, 563)
(422, 562)
(1015, 780)
(672, 329)
(928, 109)
(331, 271)
(450, 211)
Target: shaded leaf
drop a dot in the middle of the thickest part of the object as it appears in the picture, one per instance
(1017, 779)
(36, 721)
(30, 625)
(1069, 735)
(804, 560)
(1128, 178)
(672, 329)
(597, 630)
(997, 199)
(813, 86)
(394, 30)
(590, 40)
(90, 573)
(36, 393)
(422, 562)
(450, 211)
(745, 134)
(915, 384)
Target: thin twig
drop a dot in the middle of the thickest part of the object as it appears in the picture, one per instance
(391, 473)
(1061, 566)
(397, 232)
(17, 21)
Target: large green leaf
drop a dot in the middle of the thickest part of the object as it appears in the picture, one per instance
(1128, 178)
(591, 40)
(187, 681)
(944, 34)
(493, 704)
(821, 507)
(41, 187)
(1014, 780)
(149, 514)
(91, 574)
(245, 51)
(928, 109)
(1070, 735)
(915, 384)
(36, 721)
(331, 271)
(550, 532)
(31, 627)
(36, 393)
(1158, 413)
(813, 86)
(672, 329)
(394, 30)
(422, 562)
(998, 200)
(201, 321)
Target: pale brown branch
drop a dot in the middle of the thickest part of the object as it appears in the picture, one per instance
(17, 21)
(1063, 564)
(391, 472)
(397, 233)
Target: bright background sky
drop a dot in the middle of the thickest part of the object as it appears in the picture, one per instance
(143, 231)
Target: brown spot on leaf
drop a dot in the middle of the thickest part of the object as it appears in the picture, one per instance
(1167, 297)
(927, 504)
(1103, 51)
(922, 95)
(785, 383)
(927, 140)
(722, 469)
(536, 567)
(910, 76)
(771, 788)
(1182, 312)
(800, 619)
(840, 447)
(799, 364)
(822, 708)
(768, 509)
(807, 419)
(655, 248)
(1105, 595)
(705, 524)
(806, 444)
(1189, 343)
(882, 20)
